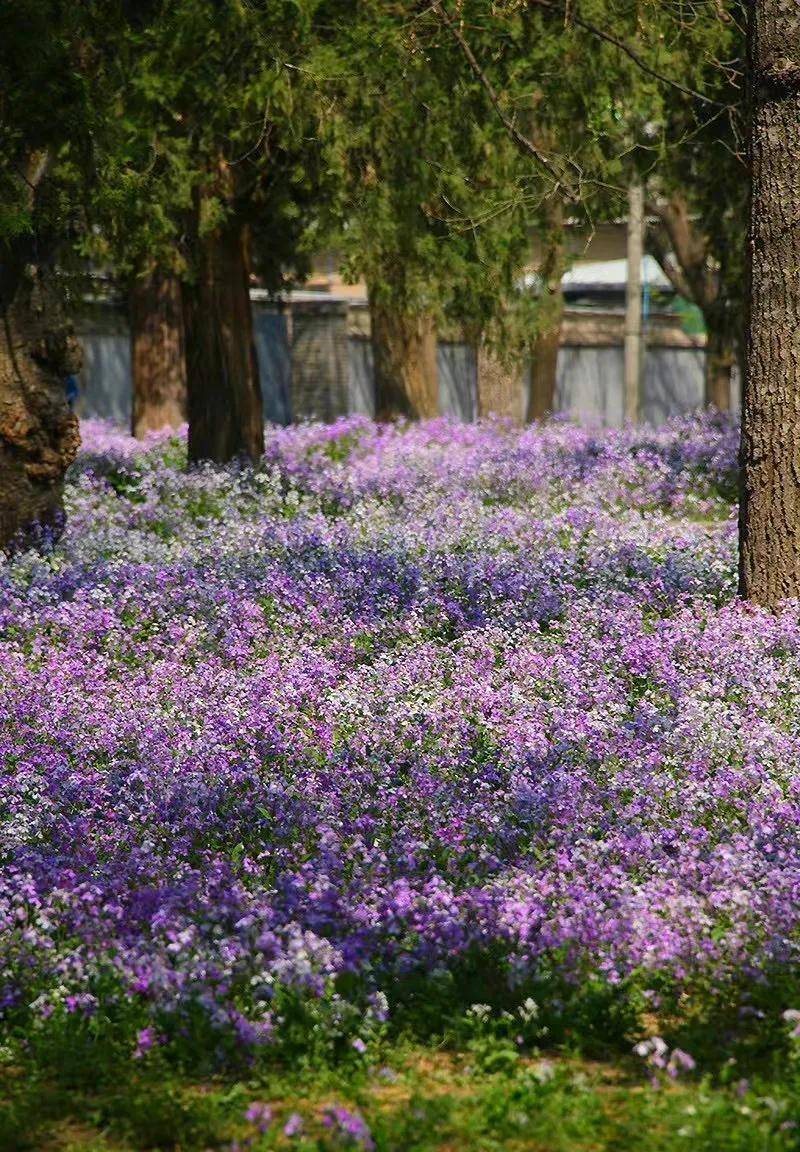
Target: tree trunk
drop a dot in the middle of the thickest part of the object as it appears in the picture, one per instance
(720, 358)
(404, 359)
(769, 558)
(38, 433)
(157, 353)
(500, 391)
(544, 350)
(226, 419)
(544, 366)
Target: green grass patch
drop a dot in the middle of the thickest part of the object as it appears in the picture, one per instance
(484, 1096)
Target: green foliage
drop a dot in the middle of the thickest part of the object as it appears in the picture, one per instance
(430, 206)
(52, 121)
(497, 1077)
(699, 158)
(211, 117)
(155, 1113)
(439, 209)
(362, 126)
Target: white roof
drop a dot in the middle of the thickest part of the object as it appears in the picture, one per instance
(606, 274)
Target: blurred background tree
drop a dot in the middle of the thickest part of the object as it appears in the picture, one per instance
(440, 151)
(211, 169)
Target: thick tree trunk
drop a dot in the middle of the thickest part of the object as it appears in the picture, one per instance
(226, 419)
(157, 353)
(500, 390)
(769, 563)
(720, 357)
(544, 350)
(38, 433)
(404, 359)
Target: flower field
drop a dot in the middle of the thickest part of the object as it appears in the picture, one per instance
(409, 720)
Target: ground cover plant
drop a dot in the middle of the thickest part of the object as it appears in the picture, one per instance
(426, 787)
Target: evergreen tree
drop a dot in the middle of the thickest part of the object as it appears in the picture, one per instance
(569, 99)
(632, 89)
(432, 210)
(211, 148)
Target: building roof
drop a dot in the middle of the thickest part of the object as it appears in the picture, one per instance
(605, 276)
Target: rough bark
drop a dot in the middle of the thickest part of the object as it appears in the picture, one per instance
(158, 363)
(544, 350)
(223, 389)
(404, 359)
(38, 433)
(769, 557)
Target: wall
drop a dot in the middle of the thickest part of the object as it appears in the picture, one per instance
(320, 360)
(589, 383)
(315, 362)
(105, 378)
(273, 347)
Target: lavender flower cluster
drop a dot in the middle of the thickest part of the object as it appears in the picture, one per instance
(402, 696)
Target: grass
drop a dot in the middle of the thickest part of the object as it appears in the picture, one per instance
(421, 1099)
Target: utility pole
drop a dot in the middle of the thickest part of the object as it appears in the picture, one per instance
(633, 302)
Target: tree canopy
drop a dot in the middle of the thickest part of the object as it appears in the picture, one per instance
(436, 149)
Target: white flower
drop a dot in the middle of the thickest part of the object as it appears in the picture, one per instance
(529, 1010)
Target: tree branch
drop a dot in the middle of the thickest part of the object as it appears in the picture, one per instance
(601, 34)
(690, 248)
(658, 248)
(519, 138)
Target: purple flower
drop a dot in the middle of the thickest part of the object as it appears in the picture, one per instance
(293, 1125)
(146, 1038)
(260, 1115)
(682, 1060)
(402, 695)
(350, 1127)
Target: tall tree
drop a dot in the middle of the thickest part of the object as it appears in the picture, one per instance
(628, 87)
(404, 352)
(573, 135)
(225, 415)
(381, 139)
(38, 432)
(770, 496)
(212, 151)
(431, 210)
(547, 341)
